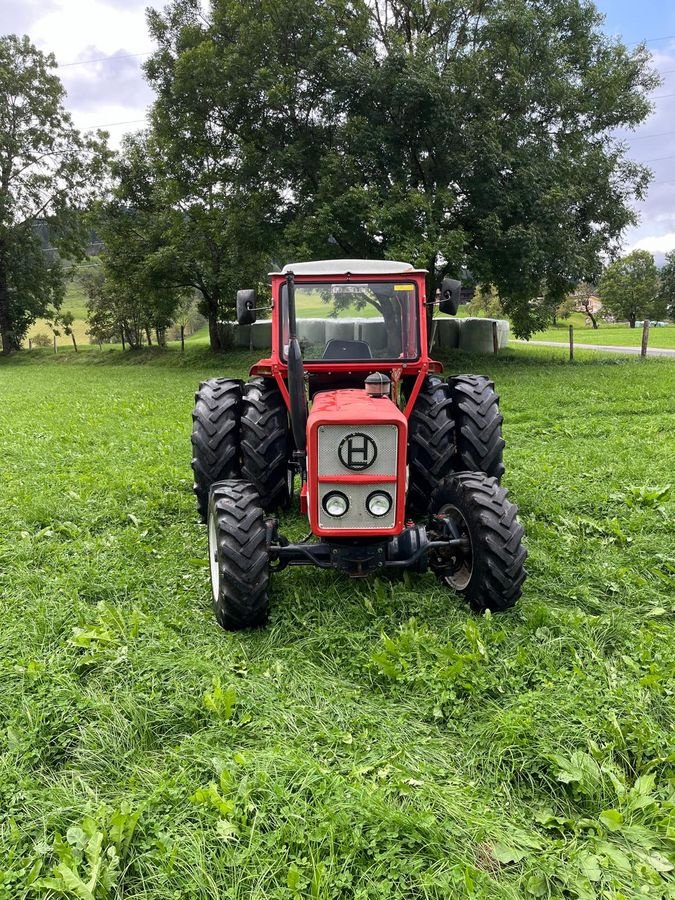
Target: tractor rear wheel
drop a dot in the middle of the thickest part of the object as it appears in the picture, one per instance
(238, 556)
(478, 422)
(265, 442)
(431, 444)
(489, 571)
(215, 436)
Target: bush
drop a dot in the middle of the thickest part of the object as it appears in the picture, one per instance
(41, 340)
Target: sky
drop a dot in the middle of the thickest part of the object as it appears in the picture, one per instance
(100, 46)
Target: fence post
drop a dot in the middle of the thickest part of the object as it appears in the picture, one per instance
(571, 341)
(54, 343)
(495, 337)
(30, 344)
(645, 337)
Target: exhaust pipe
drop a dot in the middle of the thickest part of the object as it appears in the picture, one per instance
(296, 376)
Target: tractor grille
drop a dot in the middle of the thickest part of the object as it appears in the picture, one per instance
(340, 445)
(332, 437)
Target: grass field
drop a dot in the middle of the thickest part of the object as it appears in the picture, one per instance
(616, 335)
(376, 740)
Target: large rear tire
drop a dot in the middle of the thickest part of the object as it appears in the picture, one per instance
(478, 423)
(490, 572)
(431, 443)
(238, 556)
(215, 436)
(265, 442)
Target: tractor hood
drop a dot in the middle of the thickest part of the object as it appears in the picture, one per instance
(357, 453)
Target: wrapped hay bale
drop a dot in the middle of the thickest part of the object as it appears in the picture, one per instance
(340, 330)
(475, 335)
(373, 332)
(447, 333)
(261, 334)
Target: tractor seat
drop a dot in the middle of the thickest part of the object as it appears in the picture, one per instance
(339, 349)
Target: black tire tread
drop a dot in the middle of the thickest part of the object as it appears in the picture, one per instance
(265, 441)
(242, 555)
(498, 554)
(215, 436)
(431, 442)
(478, 435)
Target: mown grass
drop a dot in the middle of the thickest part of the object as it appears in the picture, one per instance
(613, 334)
(377, 739)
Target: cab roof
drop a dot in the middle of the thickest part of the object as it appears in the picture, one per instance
(349, 267)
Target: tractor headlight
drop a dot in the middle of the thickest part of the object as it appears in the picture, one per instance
(335, 504)
(378, 503)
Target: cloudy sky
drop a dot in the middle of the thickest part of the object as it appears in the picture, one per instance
(101, 44)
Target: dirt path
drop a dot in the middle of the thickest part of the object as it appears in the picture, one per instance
(635, 351)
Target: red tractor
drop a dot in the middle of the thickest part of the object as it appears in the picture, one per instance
(399, 468)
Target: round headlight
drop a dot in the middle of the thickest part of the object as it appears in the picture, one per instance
(378, 503)
(335, 504)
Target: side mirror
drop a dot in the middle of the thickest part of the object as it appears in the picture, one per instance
(246, 307)
(450, 294)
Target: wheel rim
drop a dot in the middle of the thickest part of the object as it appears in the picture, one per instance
(460, 578)
(213, 558)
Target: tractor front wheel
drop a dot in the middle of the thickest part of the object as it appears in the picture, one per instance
(215, 436)
(488, 571)
(238, 557)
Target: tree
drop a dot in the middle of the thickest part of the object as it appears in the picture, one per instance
(48, 172)
(667, 285)
(583, 295)
(401, 128)
(629, 287)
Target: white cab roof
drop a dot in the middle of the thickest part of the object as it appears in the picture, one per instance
(349, 267)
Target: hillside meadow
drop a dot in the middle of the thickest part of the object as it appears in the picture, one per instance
(376, 740)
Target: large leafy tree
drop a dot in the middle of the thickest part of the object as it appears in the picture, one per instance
(452, 134)
(48, 171)
(629, 287)
(667, 285)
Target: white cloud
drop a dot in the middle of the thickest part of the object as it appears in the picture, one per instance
(656, 244)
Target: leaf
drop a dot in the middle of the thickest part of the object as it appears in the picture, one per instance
(293, 878)
(611, 819)
(226, 830)
(589, 866)
(506, 854)
(74, 883)
(537, 885)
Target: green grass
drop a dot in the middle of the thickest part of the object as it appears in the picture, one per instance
(616, 335)
(377, 740)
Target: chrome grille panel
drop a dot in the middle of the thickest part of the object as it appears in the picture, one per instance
(357, 516)
(386, 441)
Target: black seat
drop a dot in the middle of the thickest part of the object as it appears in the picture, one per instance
(339, 349)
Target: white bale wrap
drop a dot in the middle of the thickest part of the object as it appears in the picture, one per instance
(340, 330)
(313, 331)
(261, 334)
(447, 333)
(373, 332)
(475, 335)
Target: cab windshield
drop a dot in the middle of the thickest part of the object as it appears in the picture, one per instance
(355, 321)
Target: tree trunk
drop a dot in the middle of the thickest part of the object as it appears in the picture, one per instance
(182, 338)
(215, 331)
(631, 319)
(592, 318)
(72, 334)
(148, 335)
(8, 339)
(160, 334)
(123, 342)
